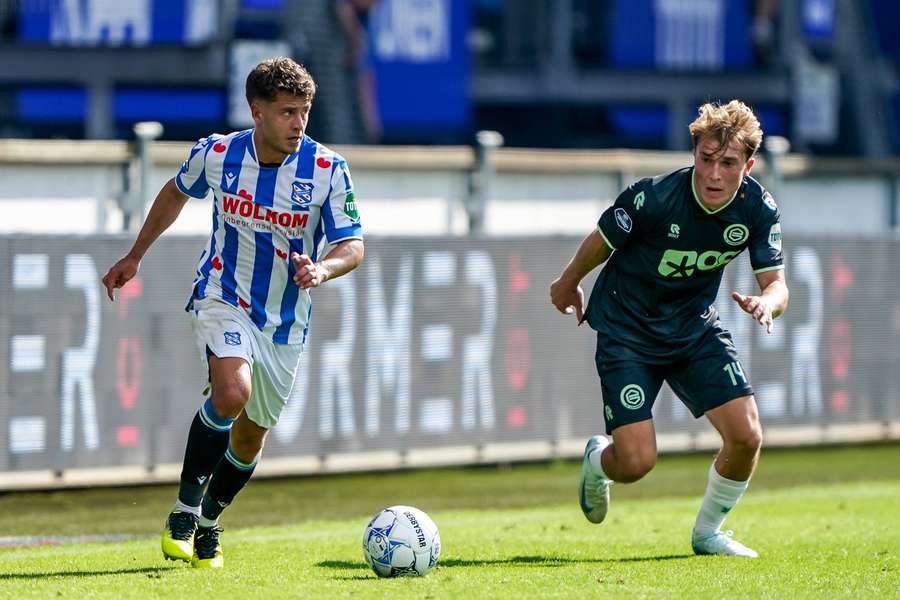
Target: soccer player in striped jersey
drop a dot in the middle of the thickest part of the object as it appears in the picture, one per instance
(279, 196)
(668, 239)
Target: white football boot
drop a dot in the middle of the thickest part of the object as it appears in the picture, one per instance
(593, 490)
(721, 543)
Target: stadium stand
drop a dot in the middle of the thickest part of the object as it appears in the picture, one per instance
(603, 73)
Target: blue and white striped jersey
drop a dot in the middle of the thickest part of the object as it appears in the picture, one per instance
(262, 214)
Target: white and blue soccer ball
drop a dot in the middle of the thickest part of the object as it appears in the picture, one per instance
(400, 541)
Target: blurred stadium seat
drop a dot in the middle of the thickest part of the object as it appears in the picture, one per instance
(616, 73)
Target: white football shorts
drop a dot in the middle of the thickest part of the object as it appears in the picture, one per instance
(228, 332)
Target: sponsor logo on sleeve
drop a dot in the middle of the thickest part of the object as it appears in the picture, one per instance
(769, 201)
(350, 207)
(623, 220)
(775, 236)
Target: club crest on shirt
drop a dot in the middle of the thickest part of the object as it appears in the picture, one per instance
(301, 194)
(233, 338)
(736, 234)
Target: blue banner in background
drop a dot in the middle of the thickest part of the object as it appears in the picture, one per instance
(698, 35)
(117, 22)
(421, 64)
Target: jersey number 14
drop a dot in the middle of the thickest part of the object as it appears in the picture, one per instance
(734, 371)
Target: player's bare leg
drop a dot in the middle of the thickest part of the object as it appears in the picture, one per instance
(737, 422)
(231, 387)
(632, 453)
(631, 456)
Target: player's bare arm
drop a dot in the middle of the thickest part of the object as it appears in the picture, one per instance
(565, 292)
(772, 301)
(166, 207)
(345, 257)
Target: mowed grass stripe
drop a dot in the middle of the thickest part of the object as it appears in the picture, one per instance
(142, 510)
(834, 540)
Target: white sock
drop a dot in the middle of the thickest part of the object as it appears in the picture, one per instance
(721, 496)
(182, 507)
(204, 522)
(596, 463)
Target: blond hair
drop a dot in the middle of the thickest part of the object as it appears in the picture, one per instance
(734, 121)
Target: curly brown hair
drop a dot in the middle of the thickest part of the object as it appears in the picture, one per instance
(734, 121)
(279, 75)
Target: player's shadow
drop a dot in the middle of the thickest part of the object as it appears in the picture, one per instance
(150, 571)
(553, 561)
(516, 561)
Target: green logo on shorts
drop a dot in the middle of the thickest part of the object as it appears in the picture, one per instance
(632, 396)
(609, 415)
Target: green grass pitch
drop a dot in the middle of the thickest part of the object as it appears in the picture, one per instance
(825, 521)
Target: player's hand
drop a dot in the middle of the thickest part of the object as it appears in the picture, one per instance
(567, 298)
(308, 274)
(119, 274)
(757, 307)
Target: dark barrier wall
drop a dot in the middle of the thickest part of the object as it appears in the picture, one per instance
(432, 343)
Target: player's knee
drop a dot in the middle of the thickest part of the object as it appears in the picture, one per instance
(635, 466)
(754, 439)
(748, 440)
(229, 397)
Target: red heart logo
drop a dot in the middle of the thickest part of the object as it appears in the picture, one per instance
(217, 264)
(219, 147)
(281, 253)
(323, 162)
(243, 303)
(245, 194)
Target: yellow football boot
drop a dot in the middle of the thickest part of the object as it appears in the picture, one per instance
(207, 549)
(178, 536)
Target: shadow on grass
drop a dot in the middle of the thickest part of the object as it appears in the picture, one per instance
(44, 574)
(518, 561)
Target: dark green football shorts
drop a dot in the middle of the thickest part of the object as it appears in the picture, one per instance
(705, 376)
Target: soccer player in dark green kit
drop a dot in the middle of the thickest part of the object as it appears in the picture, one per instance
(667, 240)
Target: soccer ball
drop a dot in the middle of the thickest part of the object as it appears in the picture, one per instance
(401, 540)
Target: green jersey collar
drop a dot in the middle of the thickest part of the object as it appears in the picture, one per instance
(697, 196)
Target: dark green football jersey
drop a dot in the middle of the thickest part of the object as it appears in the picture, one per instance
(655, 294)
